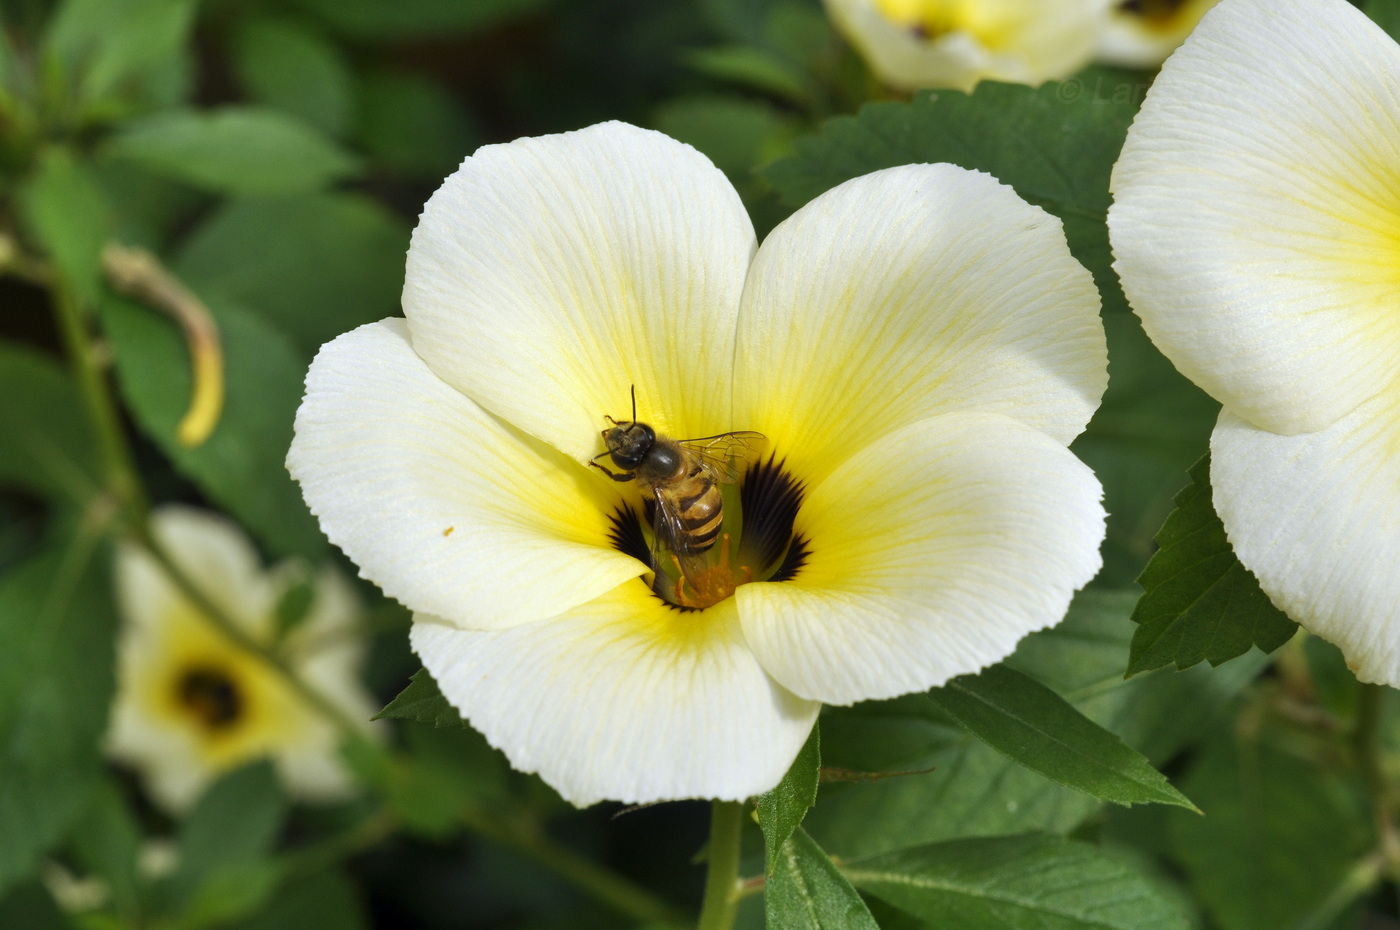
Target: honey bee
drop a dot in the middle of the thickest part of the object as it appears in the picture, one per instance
(680, 480)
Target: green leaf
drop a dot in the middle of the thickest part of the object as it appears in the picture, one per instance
(1056, 149)
(65, 212)
(377, 21)
(752, 68)
(240, 466)
(1149, 429)
(781, 810)
(1159, 713)
(56, 683)
(445, 769)
(46, 441)
(1200, 603)
(971, 790)
(1027, 722)
(234, 150)
(314, 266)
(231, 829)
(287, 66)
(149, 208)
(230, 891)
(808, 892)
(109, 44)
(734, 133)
(294, 605)
(422, 701)
(1009, 883)
(976, 791)
(414, 125)
(1386, 14)
(106, 843)
(30, 907)
(323, 900)
(1278, 838)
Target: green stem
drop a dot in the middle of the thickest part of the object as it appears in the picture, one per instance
(333, 850)
(602, 884)
(722, 878)
(118, 467)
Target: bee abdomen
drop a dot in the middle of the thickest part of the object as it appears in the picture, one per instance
(701, 516)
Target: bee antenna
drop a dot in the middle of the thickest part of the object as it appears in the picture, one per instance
(634, 405)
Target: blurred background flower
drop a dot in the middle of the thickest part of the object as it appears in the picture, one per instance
(192, 703)
(1142, 33)
(913, 44)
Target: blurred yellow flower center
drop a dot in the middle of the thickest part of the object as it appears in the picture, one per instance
(930, 19)
(211, 696)
(1160, 14)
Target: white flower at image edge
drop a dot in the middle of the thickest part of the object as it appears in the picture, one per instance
(917, 345)
(912, 44)
(191, 704)
(1256, 227)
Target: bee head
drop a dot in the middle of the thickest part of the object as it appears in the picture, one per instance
(628, 443)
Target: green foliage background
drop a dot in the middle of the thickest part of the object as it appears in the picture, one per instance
(273, 155)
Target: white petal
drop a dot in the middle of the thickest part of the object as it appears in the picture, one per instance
(213, 553)
(625, 699)
(1027, 41)
(930, 555)
(1316, 518)
(908, 293)
(167, 756)
(1257, 209)
(549, 275)
(311, 768)
(440, 504)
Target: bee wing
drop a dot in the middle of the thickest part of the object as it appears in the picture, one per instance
(727, 455)
(669, 537)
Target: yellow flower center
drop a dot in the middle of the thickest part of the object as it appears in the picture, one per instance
(211, 696)
(1158, 14)
(755, 541)
(931, 19)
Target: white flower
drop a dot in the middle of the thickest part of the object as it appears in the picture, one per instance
(917, 345)
(1142, 33)
(190, 703)
(1257, 233)
(911, 44)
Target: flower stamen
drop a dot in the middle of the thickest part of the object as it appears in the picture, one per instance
(762, 542)
(712, 585)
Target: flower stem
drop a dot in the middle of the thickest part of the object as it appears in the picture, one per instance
(722, 878)
(118, 467)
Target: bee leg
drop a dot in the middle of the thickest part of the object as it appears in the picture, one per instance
(624, 476)
(681, 598)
